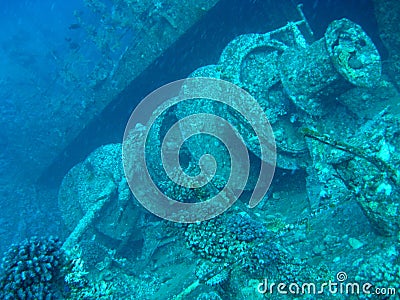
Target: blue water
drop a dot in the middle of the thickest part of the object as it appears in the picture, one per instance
(50, 67)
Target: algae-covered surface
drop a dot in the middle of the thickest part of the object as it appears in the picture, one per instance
(200, 149)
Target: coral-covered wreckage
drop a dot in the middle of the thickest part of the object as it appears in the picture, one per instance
(336, 125)
(336, 190)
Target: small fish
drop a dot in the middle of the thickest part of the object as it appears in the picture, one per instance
(73, 46)
(74, 26)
